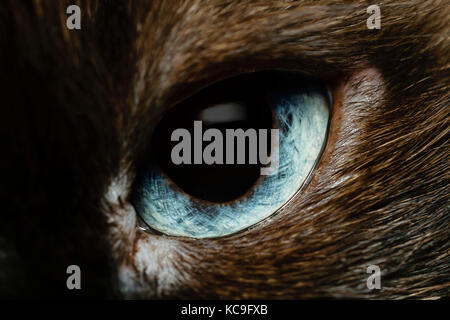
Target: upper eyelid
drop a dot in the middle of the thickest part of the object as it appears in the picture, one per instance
(182, 91)
(236, 50)
(302, 44)
(193, 67)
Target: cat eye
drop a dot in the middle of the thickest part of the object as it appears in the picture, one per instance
(232, 155)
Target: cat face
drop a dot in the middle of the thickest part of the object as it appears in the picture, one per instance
(80, 107)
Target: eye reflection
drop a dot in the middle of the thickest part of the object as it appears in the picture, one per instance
(213, 200)
(213, 182)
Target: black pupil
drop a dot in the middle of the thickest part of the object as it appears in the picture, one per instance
(230, 105)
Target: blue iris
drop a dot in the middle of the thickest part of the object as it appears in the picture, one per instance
(302, 116)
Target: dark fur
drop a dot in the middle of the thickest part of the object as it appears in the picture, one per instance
(379, 195)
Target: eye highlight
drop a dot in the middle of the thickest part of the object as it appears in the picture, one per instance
(219, 199)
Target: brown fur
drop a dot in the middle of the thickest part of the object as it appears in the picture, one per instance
(72, 127)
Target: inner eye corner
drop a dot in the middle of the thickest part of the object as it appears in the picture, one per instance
(209, 189)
